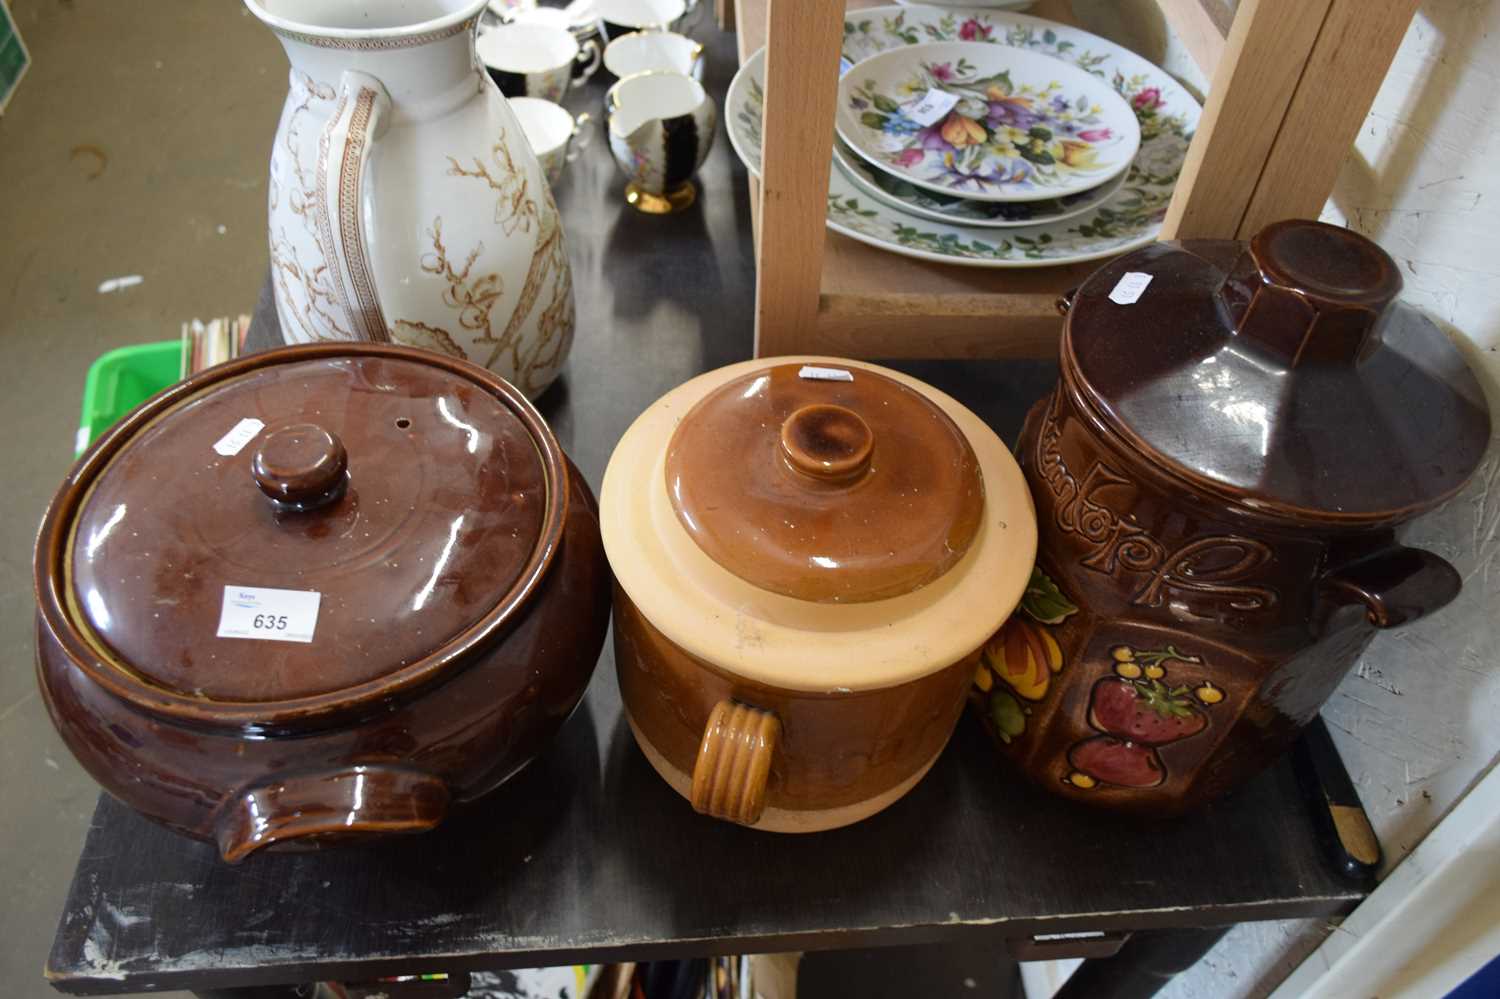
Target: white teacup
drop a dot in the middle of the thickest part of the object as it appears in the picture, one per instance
(643, 51)
(550, 130)
(581, 24)
(621, 17)
(505, 10)
(661, 126)
(535, 60)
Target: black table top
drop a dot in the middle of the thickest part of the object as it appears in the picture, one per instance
(588, 856)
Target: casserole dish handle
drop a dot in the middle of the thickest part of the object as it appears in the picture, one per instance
(1396, 586)
(356, 802)
(734, 762)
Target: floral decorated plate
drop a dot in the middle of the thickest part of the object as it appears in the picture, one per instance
(1167, 115)
(986, 122)
(989, 4)
(919, 201)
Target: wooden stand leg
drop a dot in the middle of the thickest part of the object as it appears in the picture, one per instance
(1289, 95)
(1354, 50)
(1251, 89)
(802, 48)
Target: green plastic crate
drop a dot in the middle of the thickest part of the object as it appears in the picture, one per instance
(121, 380)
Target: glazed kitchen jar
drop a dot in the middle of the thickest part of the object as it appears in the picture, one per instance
(1220, 477)
(809, 555)
(405, 203)
(323, 593)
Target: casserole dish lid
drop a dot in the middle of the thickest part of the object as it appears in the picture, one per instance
(1280, 375)
(825, 485)
(308, 521)
(714, 605)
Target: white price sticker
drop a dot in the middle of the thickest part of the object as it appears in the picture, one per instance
(268, 614)
(930, 107)
(243, 432)
(825, 374)
(1129, 288)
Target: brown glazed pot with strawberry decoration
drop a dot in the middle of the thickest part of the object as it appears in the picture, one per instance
(321, 594)
(1221, 477)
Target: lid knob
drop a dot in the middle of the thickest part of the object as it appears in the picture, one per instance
(301, 467)
(827, 442)
(1307, 291)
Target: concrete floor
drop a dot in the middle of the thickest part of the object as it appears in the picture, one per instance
(137, 144)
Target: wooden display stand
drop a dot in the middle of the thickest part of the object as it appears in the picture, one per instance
(1292, 82)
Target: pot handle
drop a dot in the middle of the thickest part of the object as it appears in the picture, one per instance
(734, 762)
(1395, 586)
(582, 135)
(1064, 302)
(587, 62)
(342, 204)
(366, 800)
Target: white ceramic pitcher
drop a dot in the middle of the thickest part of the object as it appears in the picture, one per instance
(405, 203)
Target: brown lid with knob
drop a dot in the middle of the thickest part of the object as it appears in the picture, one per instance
(828, 485)
(408, 497)
(1281, 376)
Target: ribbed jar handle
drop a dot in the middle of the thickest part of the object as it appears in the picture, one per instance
(734, 762)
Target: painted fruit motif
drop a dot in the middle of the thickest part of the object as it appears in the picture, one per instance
(1144, 711)
(1008, 716)
(1023, 656)
(1116, 761)
(1137, 712)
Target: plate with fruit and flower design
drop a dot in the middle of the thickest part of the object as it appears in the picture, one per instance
(919, 201)
(1167, 114)
(986, 122)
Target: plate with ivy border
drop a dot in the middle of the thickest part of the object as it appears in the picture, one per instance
(962, 211)
(1167, 114)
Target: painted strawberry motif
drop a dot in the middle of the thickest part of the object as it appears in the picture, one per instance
(1138, 712)
(1116, 761)
(1147, 712)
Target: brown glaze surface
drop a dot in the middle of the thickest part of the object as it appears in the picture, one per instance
(1177, 637)
(1275, 377)
(831, 491)
(833, 749)
(300, 467)
(442, 513)
(465, 717)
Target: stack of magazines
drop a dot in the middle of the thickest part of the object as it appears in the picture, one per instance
(213, 342)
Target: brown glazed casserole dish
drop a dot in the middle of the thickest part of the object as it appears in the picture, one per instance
(323, 593)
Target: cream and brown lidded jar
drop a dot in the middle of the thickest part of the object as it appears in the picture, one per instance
(809, 554)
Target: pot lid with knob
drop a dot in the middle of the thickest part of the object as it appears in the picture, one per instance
(369, 511)
(817, 524)
(1279, 376)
